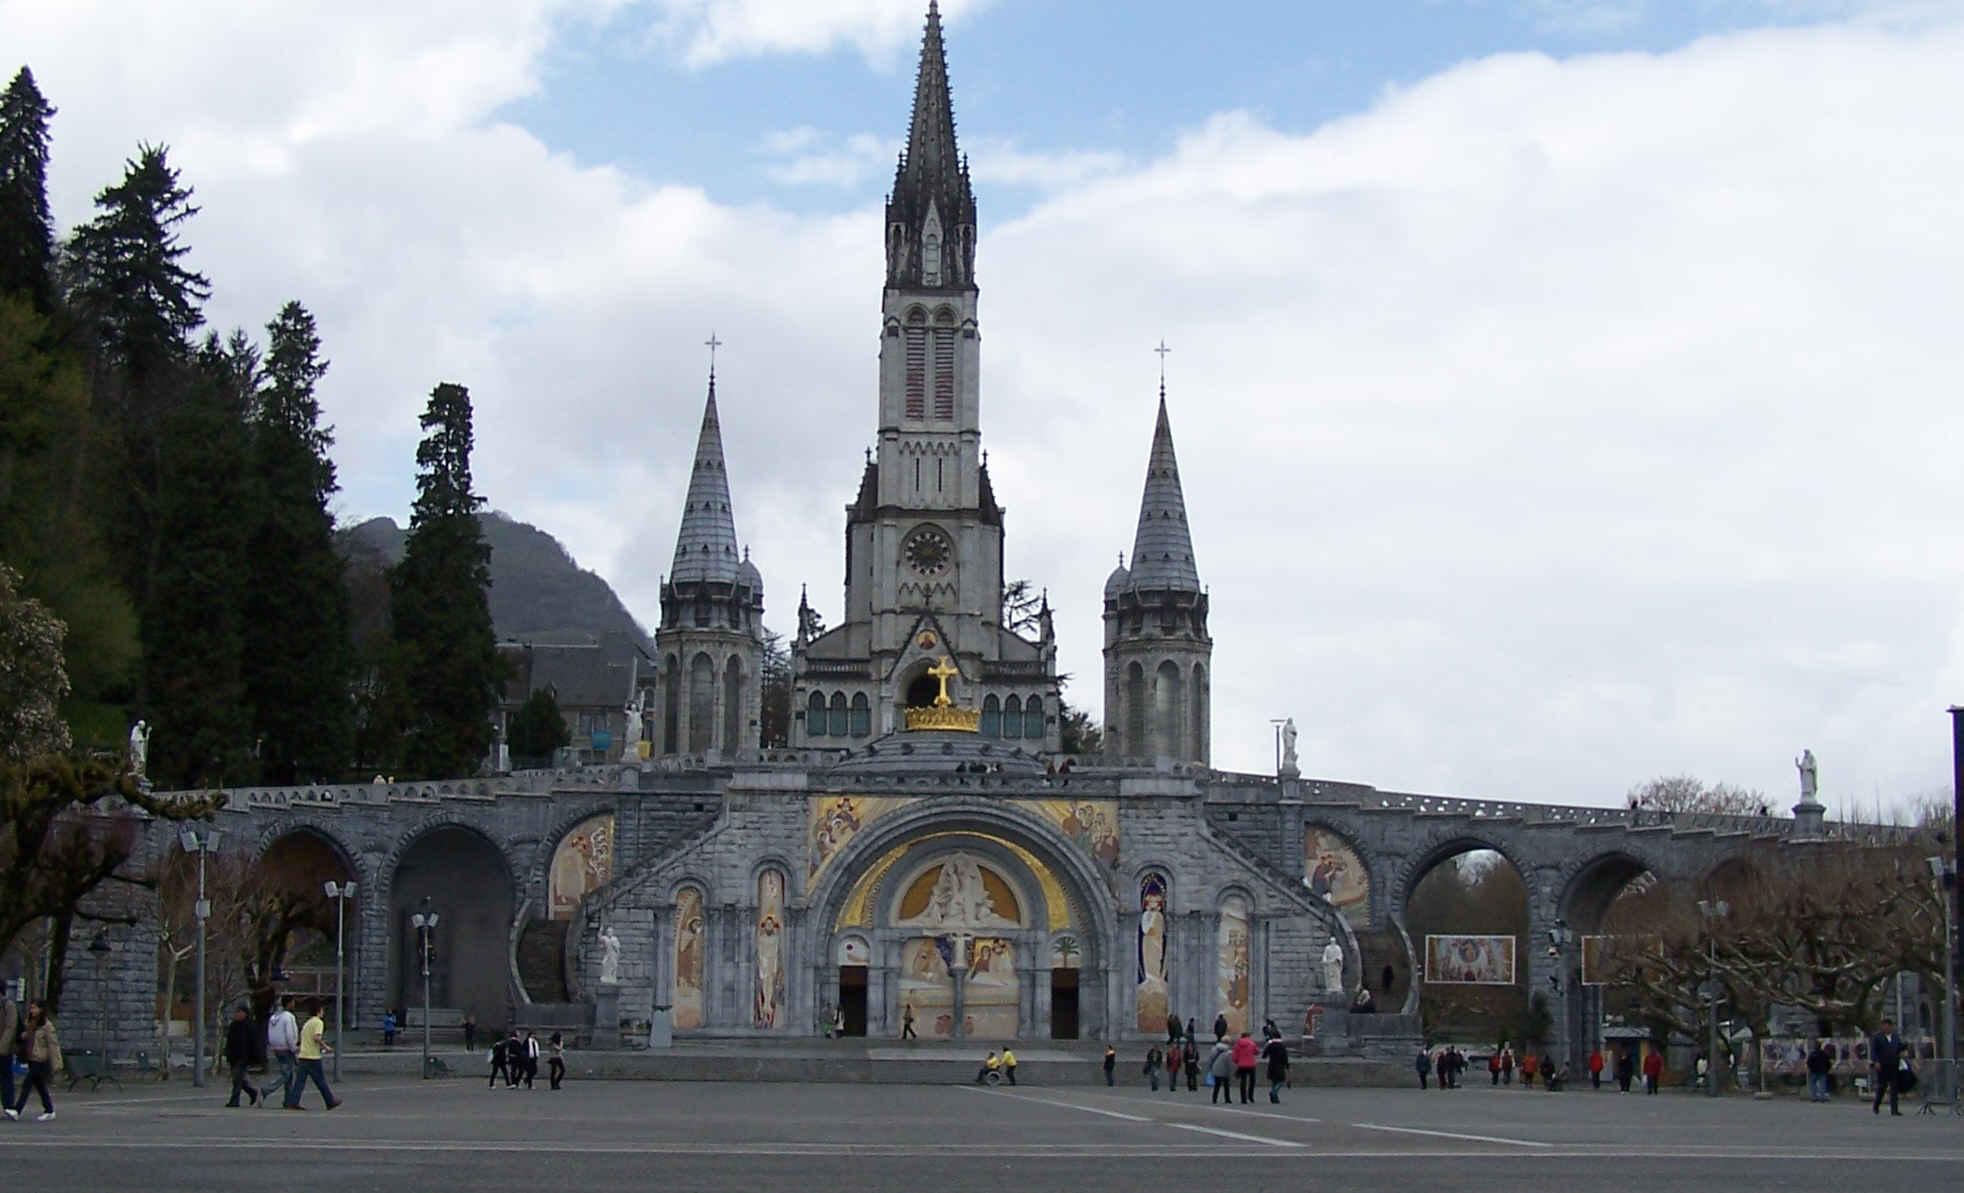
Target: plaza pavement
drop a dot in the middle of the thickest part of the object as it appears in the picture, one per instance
(402, 1135)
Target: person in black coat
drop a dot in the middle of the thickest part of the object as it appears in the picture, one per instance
(500, 1063)
(238, 1054)
(1220, 1027)
(1886, 1055)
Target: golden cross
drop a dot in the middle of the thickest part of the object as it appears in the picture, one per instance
(943, 672)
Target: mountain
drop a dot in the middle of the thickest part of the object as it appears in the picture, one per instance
(537, 588)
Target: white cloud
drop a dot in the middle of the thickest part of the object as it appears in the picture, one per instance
(712, 31)
(806, 156)
(1548, 426)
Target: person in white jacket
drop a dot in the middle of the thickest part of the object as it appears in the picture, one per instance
(282, 1043)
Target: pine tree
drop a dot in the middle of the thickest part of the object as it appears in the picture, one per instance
(298, 661)
(27, 230)
(446, 658)
(192, 624)
(137, 305)
(538, 728)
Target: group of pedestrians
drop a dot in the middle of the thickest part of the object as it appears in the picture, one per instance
(1445, 1065)
(516, 1059)
(297, 1049)
(1228, 1067)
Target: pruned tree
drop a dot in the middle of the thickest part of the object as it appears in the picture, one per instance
(1687, 794)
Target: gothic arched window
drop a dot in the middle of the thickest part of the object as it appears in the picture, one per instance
(815, 716)
(992, 717)
(1033, 718)
(862, 716)
(1012, 717)
(839, 724)
(916, 364)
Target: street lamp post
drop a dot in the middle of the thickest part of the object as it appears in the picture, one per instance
(1558, 942)
(1712, 912)
(425, 924)
(1944, 870)
(203, 844)
(340, 892)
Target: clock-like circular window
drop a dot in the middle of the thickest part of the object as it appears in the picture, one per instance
(928, 551)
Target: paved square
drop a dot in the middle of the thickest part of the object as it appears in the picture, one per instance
(402, 1135)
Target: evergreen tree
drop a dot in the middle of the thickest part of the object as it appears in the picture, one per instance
(298, 662)
(192, 625)
(446, 657)
(538, 728)
(137, 305)
(27, 230)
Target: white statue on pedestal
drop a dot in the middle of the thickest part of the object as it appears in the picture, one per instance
(610, 957)
(631, 736)
(1289, 746)
(1809, 776)
(140, 749)
(1333, 966)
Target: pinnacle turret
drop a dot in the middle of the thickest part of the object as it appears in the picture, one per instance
(931, 213)
(706, 547)
(1162, 551)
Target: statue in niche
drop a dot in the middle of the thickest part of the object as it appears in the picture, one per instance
(610, 957)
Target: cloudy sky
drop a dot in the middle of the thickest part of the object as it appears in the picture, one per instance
(1567, 392)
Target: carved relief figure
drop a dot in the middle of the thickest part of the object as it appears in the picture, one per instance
(1153, 998)
(768, 1005)
(687, 995)
(960, 898)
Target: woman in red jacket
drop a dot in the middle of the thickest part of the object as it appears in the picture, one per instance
(1653, 1068)
(1245, 1055)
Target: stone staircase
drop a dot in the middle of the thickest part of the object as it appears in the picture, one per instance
(542, 961)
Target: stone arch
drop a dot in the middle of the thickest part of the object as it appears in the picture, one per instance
(1443, 845)
(540, 874)
(1590, 884)
(734, 704)
(1731, 873)
(299, 858)
(472, 970)
(1438, 849)
(1081, 885)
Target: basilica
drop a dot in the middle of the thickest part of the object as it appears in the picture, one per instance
(920, 855)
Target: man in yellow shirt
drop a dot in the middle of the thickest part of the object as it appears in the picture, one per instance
(1009, 1065)
(313, 1046)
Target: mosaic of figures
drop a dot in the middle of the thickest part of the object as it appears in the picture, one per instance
(1469, 960)
(768, 1001)
(1153, 998)
(1337, 875)
(583, 863)
(1231, 963)
(928, 967)
(1091, 825)
(835, 820)
(689, 950)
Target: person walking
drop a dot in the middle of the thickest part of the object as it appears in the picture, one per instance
(1456, 1064)
(514, 1058)
(42, 1049)
(1596, 1068)
(1442, 1068)
(1193, 1033)
(9, 1035)
(1493, 1066)
(313, 1046)
(1885, 1059)
(1626, 1069)
(1818, 1068)
(238, 1054)
(1190, 1059)
(529, 1051)
(500, 1063)
(1423, 1063)
(1220, 1027)
(1245, 1055)
(1153, 1061)
(1653, 1070)
(470, 1033)
(1530, 1064)
(1506, 1065)
(556, 1063)
(907, 1022)
(388, 1029)
(1009, 1063)
(1111, 1065)
(1220, 1071)
(282, 1043)
(1173, 1032)
(1175, 1057)
(1276, 1053)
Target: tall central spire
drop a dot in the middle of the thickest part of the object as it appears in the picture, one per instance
(1162, 551)
(931, 212)
(706, 547)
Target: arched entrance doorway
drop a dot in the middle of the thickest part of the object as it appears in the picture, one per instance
(967, 926)
(459, 875)
(1467, 917)
(296, 945)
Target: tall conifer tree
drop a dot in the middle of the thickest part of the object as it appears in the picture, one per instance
(27, 230)
(138, 306)
(447, 663)
(193, 632)
(298, 660)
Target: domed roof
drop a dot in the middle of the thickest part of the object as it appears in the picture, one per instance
(748, 575)
(1118, 579)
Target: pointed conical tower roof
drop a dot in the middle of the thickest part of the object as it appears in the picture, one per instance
(931, 176)
(706, 547)
(932, 159)
(1162, 551)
